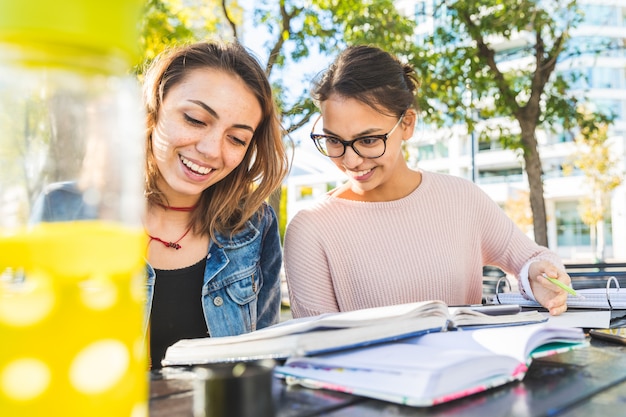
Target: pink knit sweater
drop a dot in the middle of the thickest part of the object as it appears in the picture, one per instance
(345, 255)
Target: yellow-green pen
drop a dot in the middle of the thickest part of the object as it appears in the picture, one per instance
(561, 285)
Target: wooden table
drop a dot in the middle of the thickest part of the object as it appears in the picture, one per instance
(584, 382)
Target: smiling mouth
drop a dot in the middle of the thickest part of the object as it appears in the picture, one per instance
(358, 174)
(195, 167)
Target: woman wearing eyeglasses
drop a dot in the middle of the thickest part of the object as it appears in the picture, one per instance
(392, 234)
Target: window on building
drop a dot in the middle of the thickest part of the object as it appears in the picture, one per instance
(602, 77)
(489, 145)
(601, 15)
(484, 145)
(570, 229)
(593, 46)
(576, 79)
(552, 170)
(487, 176)
(420, 12)
(610, 106)
(564, 136)
(432, 151)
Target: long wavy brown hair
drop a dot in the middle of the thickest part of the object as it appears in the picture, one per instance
(226, 206)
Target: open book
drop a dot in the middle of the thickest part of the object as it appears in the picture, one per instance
(435, 367)
(334, 331)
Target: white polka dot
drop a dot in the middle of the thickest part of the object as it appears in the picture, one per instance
(99, 366)
(26, 303)
(25, 379)
(140, 410)
(99, 293)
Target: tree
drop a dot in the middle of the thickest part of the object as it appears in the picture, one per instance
(170, 22)
(472, 49)
(323, 28)
(517, 208)
(602, 175)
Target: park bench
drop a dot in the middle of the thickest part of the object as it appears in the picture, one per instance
(596, 275)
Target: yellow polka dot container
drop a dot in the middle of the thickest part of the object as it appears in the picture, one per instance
(72, 247)
(71, 321)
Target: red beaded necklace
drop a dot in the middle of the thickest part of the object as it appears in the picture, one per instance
(175, 244)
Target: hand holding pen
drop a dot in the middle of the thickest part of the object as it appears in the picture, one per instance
(542, 276)
(562, 286)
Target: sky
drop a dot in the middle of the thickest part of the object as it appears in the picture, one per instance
(295, 77)
(253, 37)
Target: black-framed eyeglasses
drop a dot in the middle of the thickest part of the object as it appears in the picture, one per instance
(370, 146)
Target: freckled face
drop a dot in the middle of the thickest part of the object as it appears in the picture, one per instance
(204, 128)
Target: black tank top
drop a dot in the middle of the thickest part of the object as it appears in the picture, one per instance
(176, 309)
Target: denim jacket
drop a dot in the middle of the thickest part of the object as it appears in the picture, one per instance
(241, 290)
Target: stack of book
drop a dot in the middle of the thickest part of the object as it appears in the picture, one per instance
(417, 354)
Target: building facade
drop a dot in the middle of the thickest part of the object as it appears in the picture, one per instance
(500, 173)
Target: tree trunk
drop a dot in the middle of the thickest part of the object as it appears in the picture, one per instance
(593, 239)
(535, 182)
(599, 253)
(599, 249)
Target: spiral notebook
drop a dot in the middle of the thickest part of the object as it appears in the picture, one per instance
(600, 308)
(608, 298)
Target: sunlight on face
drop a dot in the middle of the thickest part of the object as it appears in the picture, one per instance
(204, 128)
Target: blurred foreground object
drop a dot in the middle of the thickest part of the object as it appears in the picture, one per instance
(71, 241)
